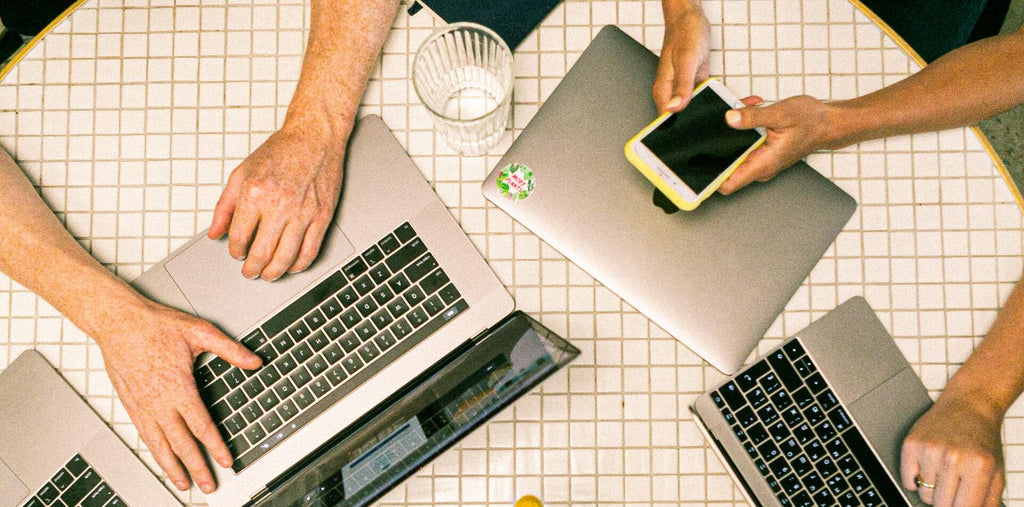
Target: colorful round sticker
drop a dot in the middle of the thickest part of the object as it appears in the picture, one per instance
(516, 181)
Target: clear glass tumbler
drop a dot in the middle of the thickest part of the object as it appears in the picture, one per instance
(463, 75)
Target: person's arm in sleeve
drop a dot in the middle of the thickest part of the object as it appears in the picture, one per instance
(279, 202)
(967, 85)
(148, 349)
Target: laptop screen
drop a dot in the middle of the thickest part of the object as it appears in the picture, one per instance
(428, 416)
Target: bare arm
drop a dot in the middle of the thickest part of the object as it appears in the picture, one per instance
(685, 54)
(279, 202)
(148, 349)
(963, 87)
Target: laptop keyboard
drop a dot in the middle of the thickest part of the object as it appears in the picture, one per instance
(328, 342)
(800, 437)
(76, 484)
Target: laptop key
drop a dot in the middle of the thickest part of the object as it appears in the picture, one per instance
(333, 354)
(757, 434)
(382, 295)
(302, 353)
(304, 398)
(414, 296)
(434, 281)
(251, 412)
(827, 400)
(268, 400)
(405, 255)
(382, 318)
(839, 419)
(815, 450)
(237, 445)
(267, 353)
(748, 379)
(336, 375)
(368, 352)
(300, 377)
(99, 496)
(237, 399)
(351, 318)
(235, 424)
(304, 304)
(824, 498)
(349, 342)
(317, 365)
(62, 479)
(315, 319)
(804, 366)
(331, 308)
(780, 467)
(269, 375)
(417, 317)
(781, 400)
(352, 363)
(354, 268)
(282, 343)
(379, 273)
(770, 383)
(400, 328)
(385, 340)
(803, 433)
(793, 350)
(320, 386)
(757, 397)
(389, 244)
(405, 232)
(870, 498)
(836, 484)
(252, 388)
(779, 431)
(791, 484)
(333, 329)
(849, 499)
(812, 482)
(449, 294)
(790, 449)
(271, 422)
(816, 383)
(802, 499)
(802, 465)
(365, 330)
(366, 306)
(836, 448)
(48, 493)
(373, 255)
(214, 391)
(363, 285)
(731, 392)
(287, 410)
(299, 331)
(284, 388)
(254, 339)
(220, 411)
(348, 297)
(398, 283)
(825, 431)
(803, 397)
(285, 364)
(746, 416)
(81, 487)
(785, 370)
(204, 376)
(218, 365)
(398, 307)
(767, 415)
(254, 434)
(792, 416)
(234, 377)
(827, 468)
(421, 267)
(433, 305)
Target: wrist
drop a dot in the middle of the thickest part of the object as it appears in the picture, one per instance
(105, 306)
(977, 398)
(318, 125)
(672, 9)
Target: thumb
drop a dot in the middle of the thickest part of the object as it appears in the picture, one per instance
(210, 339)
(751, 117)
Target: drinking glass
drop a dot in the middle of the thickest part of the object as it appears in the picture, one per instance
(463, 75)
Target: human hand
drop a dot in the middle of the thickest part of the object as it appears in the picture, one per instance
(796, 127)
(956, 447)
(279, 202)
(149, 351)
(685, 56)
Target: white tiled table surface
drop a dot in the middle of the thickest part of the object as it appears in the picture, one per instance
(131, 114)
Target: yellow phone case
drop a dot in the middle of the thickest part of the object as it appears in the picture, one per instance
(660, 182)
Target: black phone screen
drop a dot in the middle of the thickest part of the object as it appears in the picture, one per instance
(696, 143)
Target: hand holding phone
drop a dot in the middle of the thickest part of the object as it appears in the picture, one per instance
(688, 155)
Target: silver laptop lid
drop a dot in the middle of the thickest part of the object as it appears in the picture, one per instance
(715, 278)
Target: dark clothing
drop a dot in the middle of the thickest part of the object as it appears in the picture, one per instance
(936, 27)
(29, 17)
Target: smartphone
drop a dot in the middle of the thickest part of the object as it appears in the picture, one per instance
(688, 155)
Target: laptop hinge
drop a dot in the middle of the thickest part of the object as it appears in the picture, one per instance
(259, 496)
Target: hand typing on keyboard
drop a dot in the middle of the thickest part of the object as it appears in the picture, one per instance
(149, 351)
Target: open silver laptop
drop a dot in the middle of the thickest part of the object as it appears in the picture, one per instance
(820, 419)
(398, 288)
(714, 278)
(57, 451)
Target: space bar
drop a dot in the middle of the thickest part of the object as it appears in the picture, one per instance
(349, 384)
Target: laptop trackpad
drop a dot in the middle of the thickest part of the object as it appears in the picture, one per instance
(212, 281)
(12, 490)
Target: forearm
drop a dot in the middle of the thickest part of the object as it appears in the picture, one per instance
(673, 8)
(994, 374)
(345, 38)
(963, 87)
(37, 252)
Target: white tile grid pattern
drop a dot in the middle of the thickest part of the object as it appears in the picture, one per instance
(131, 114)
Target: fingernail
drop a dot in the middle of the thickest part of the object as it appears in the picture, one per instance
(251, 277)
(675, 102)
(181, 485)
(732, 117)
(225, 462)
(206, 487)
